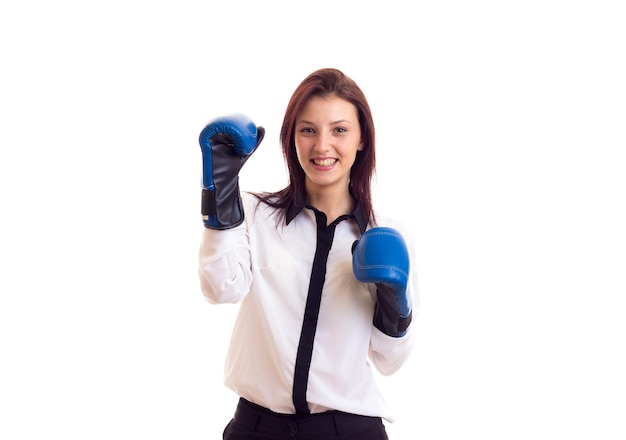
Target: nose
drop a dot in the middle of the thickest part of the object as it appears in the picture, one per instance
(324, 141)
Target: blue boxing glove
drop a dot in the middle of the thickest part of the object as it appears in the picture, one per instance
(381, 257)
(227, 143)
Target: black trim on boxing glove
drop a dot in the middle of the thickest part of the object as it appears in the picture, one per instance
(225, 201)
(387, 317)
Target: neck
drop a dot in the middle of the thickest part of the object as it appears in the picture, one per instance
(333, 204)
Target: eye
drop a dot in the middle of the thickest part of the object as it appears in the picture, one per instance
(307, 130)
(340, 130)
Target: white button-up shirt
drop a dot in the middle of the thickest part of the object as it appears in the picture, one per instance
(265, 265)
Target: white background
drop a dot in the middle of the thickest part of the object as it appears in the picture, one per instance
(501, 137)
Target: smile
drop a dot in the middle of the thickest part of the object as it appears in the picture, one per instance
(324, 162)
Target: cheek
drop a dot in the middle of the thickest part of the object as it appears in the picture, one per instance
(353, 159)
(352, 150)
(299, 152)
(303, 146)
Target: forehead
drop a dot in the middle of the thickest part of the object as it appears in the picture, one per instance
(323, 108)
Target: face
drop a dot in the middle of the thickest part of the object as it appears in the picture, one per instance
(328, 136)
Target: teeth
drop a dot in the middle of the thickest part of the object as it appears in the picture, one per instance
(324, 162)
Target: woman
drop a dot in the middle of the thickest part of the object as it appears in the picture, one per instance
(304, 265)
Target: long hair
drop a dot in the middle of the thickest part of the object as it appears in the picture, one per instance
(326, 82)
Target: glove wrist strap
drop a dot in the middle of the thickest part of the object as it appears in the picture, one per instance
(223, 213)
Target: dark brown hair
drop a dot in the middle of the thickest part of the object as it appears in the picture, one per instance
(326, 82)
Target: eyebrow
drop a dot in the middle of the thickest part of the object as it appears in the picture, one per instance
(340, 121)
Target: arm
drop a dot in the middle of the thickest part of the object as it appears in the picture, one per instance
(224, 265)
(226, 144)
(382, 258)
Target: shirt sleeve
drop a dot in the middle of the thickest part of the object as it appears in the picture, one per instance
(224, 264)
(389, 353)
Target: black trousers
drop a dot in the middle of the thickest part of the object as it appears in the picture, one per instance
(253, 422)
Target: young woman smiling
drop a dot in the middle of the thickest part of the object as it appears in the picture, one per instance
(326, 285)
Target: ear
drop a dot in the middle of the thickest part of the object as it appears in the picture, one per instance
(361, 146)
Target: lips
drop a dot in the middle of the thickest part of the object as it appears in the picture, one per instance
(324, 162)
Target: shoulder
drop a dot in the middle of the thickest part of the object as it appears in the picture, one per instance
(393, 222)
(255, 207)
(253, 199)
(249, 199)
(403, 227)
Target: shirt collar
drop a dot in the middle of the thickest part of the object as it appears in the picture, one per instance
(294, 209)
